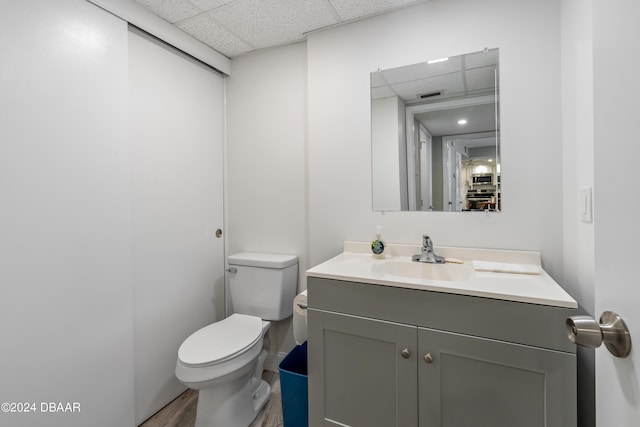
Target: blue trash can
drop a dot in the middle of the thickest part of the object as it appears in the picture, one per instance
(293, 387)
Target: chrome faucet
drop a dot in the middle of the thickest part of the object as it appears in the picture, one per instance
(427, 254)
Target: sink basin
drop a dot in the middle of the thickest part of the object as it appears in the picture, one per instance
(425, 271)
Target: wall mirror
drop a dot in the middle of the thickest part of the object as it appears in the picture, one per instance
(435, 135)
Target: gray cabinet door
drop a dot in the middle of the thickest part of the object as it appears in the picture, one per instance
(480, 382)
(358, 376)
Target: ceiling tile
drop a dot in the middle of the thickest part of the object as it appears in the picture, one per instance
(482, 58)
(234, 27)
(377, 79)
(382, 92)
(265, 23)
(170, 10)
(209, 32)
(352, 9)
(422, 70)
(210, 4)
(481, 79)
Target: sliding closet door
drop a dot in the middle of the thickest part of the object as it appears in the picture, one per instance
(176, 108)
(65, 225)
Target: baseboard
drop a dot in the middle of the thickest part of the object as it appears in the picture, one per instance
(273, 361)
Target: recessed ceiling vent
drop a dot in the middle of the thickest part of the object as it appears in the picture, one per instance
(429, 95)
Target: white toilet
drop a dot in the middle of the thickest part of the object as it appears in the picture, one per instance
(224, 360)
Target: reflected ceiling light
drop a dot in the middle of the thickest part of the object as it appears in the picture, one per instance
(435, 61)
(491, 160)
(462, 121)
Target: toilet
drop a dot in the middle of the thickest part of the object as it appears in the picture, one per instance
(224, 360)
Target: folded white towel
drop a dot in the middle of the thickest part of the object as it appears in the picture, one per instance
(505, 267)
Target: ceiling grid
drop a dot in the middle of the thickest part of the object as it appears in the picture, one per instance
(236, 27)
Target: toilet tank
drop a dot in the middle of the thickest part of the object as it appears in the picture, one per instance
(263, 285)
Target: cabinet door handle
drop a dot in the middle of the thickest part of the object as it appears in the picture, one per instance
(428, 358)
(405, 353)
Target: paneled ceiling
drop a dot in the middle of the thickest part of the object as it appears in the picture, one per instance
(453, 77)
(235, 27)
(462, 77)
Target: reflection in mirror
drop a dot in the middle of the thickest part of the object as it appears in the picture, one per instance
(435, 135)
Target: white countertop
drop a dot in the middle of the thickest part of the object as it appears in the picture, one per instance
(356, 264)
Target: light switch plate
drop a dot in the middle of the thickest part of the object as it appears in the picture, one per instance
(586, 204)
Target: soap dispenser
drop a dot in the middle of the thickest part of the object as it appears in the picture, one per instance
(377, 246)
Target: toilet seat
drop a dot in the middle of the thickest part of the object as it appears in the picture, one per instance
(221, 341)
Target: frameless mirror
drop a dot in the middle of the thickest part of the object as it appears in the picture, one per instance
(435, 135)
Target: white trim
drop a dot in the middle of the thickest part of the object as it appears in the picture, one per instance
(225, 198)
(426, 180)
(426, 193)
(410, 142)
(142, 18)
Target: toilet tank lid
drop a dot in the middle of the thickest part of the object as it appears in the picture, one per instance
(253, 259)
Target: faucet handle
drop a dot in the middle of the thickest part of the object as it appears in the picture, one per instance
(426, 240)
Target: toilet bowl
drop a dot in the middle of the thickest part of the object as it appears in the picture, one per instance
(224, 360)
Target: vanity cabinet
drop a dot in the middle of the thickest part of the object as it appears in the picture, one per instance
(364, 377)
(474, 381)
(387, 356)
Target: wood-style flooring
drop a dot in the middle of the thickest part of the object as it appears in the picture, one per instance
(181, 412)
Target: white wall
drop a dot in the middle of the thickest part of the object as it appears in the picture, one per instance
(266, 161)
(177, 131)
(577, 143)
(578, 172)
(387, 114)
(339, 153)
(65, 216)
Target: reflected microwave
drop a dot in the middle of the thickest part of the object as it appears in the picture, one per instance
(482, 178)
